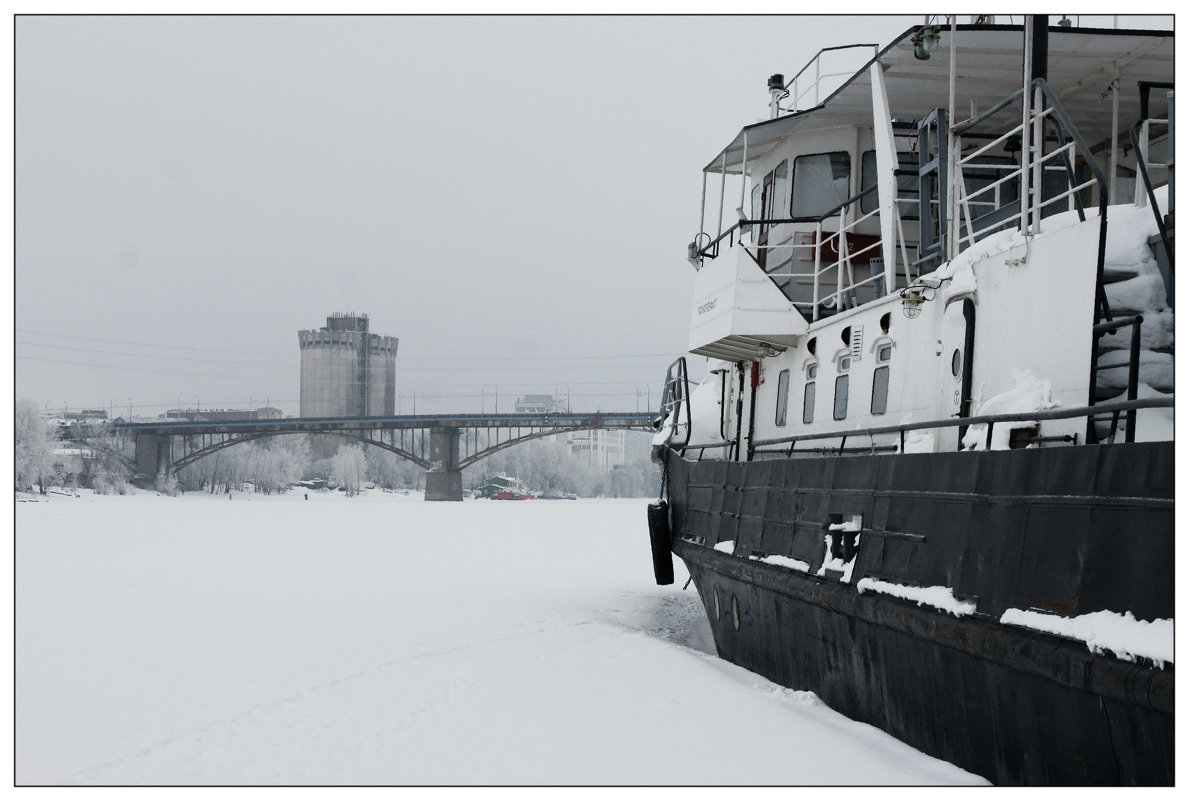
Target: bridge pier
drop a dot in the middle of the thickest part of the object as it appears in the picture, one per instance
(152, 454)
(443, 480)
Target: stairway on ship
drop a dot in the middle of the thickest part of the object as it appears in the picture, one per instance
(1143, 287)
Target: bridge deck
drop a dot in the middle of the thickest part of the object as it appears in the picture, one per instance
(313, 425)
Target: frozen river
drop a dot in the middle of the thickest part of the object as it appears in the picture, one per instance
(384, 640)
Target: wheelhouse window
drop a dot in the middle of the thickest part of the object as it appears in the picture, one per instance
(810, 393)
(821, 182)
(842, 388)
(780, 192)
(907, 186)
(769, 198)
(879, 382)
(782, 397)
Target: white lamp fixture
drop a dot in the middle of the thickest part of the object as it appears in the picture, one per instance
(914, 296)
(925, 43)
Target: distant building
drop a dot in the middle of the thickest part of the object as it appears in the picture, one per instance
(602, 450)
(499, 483)
(541, 404)
(224, 415)
(637, 446)
(85, 416)
(347, 371)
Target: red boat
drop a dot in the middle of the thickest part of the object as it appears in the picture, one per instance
(512, 496)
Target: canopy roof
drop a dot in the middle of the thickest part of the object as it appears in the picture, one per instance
(1081, 65)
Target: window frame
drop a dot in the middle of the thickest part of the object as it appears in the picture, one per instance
(842, 380)
(782, 397)
(793, 185)
(809, 396)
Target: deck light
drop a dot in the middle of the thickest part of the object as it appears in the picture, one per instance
(925, 42)
(915, 295)
(693, 252)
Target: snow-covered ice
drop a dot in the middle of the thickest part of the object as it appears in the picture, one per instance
(383, 640)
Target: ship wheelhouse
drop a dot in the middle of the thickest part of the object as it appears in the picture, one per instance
(893, 230)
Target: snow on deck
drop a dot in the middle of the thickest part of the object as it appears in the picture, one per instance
(1117, 632)
(383, 640)
(941, 598)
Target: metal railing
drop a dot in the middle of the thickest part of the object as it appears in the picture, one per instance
(1132, 366)
(1140, 133)
(1046, 114)
(843, 287)
(990, 420)
(675, 400)
(813, 83)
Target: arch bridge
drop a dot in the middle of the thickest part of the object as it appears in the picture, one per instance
(441, 444)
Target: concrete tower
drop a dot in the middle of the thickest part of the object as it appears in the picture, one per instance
(346, 371)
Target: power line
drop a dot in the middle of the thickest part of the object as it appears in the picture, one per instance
(134, 344)
(294, 365)
(152, 356)
(289, 380)
(401, 359)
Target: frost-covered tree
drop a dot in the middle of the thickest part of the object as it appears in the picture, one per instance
(349, 469)
(548, 465)
(167, 482)
(107, 466)
(386, 469)
(34, 448)
(276, 465)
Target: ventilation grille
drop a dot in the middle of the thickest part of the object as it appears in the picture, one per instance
(856, 342)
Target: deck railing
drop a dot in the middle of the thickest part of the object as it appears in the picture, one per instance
(834, 284)
(896, 442)
(809, 82)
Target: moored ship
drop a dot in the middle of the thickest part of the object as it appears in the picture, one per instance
(929, 472)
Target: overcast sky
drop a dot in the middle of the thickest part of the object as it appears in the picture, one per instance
(510, 196)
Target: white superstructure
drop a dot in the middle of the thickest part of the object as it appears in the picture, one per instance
(927, 243)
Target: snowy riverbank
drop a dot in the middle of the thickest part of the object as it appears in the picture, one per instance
(384, 640)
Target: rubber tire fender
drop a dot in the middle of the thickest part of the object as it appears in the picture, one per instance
(662, 542)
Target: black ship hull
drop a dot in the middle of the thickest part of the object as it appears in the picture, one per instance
(1068, 531)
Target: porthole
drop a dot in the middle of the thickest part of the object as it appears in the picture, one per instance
(811, 345)
(735, 611)
(846, 336)
(956, 363)
(717, 606)
(885, 322)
